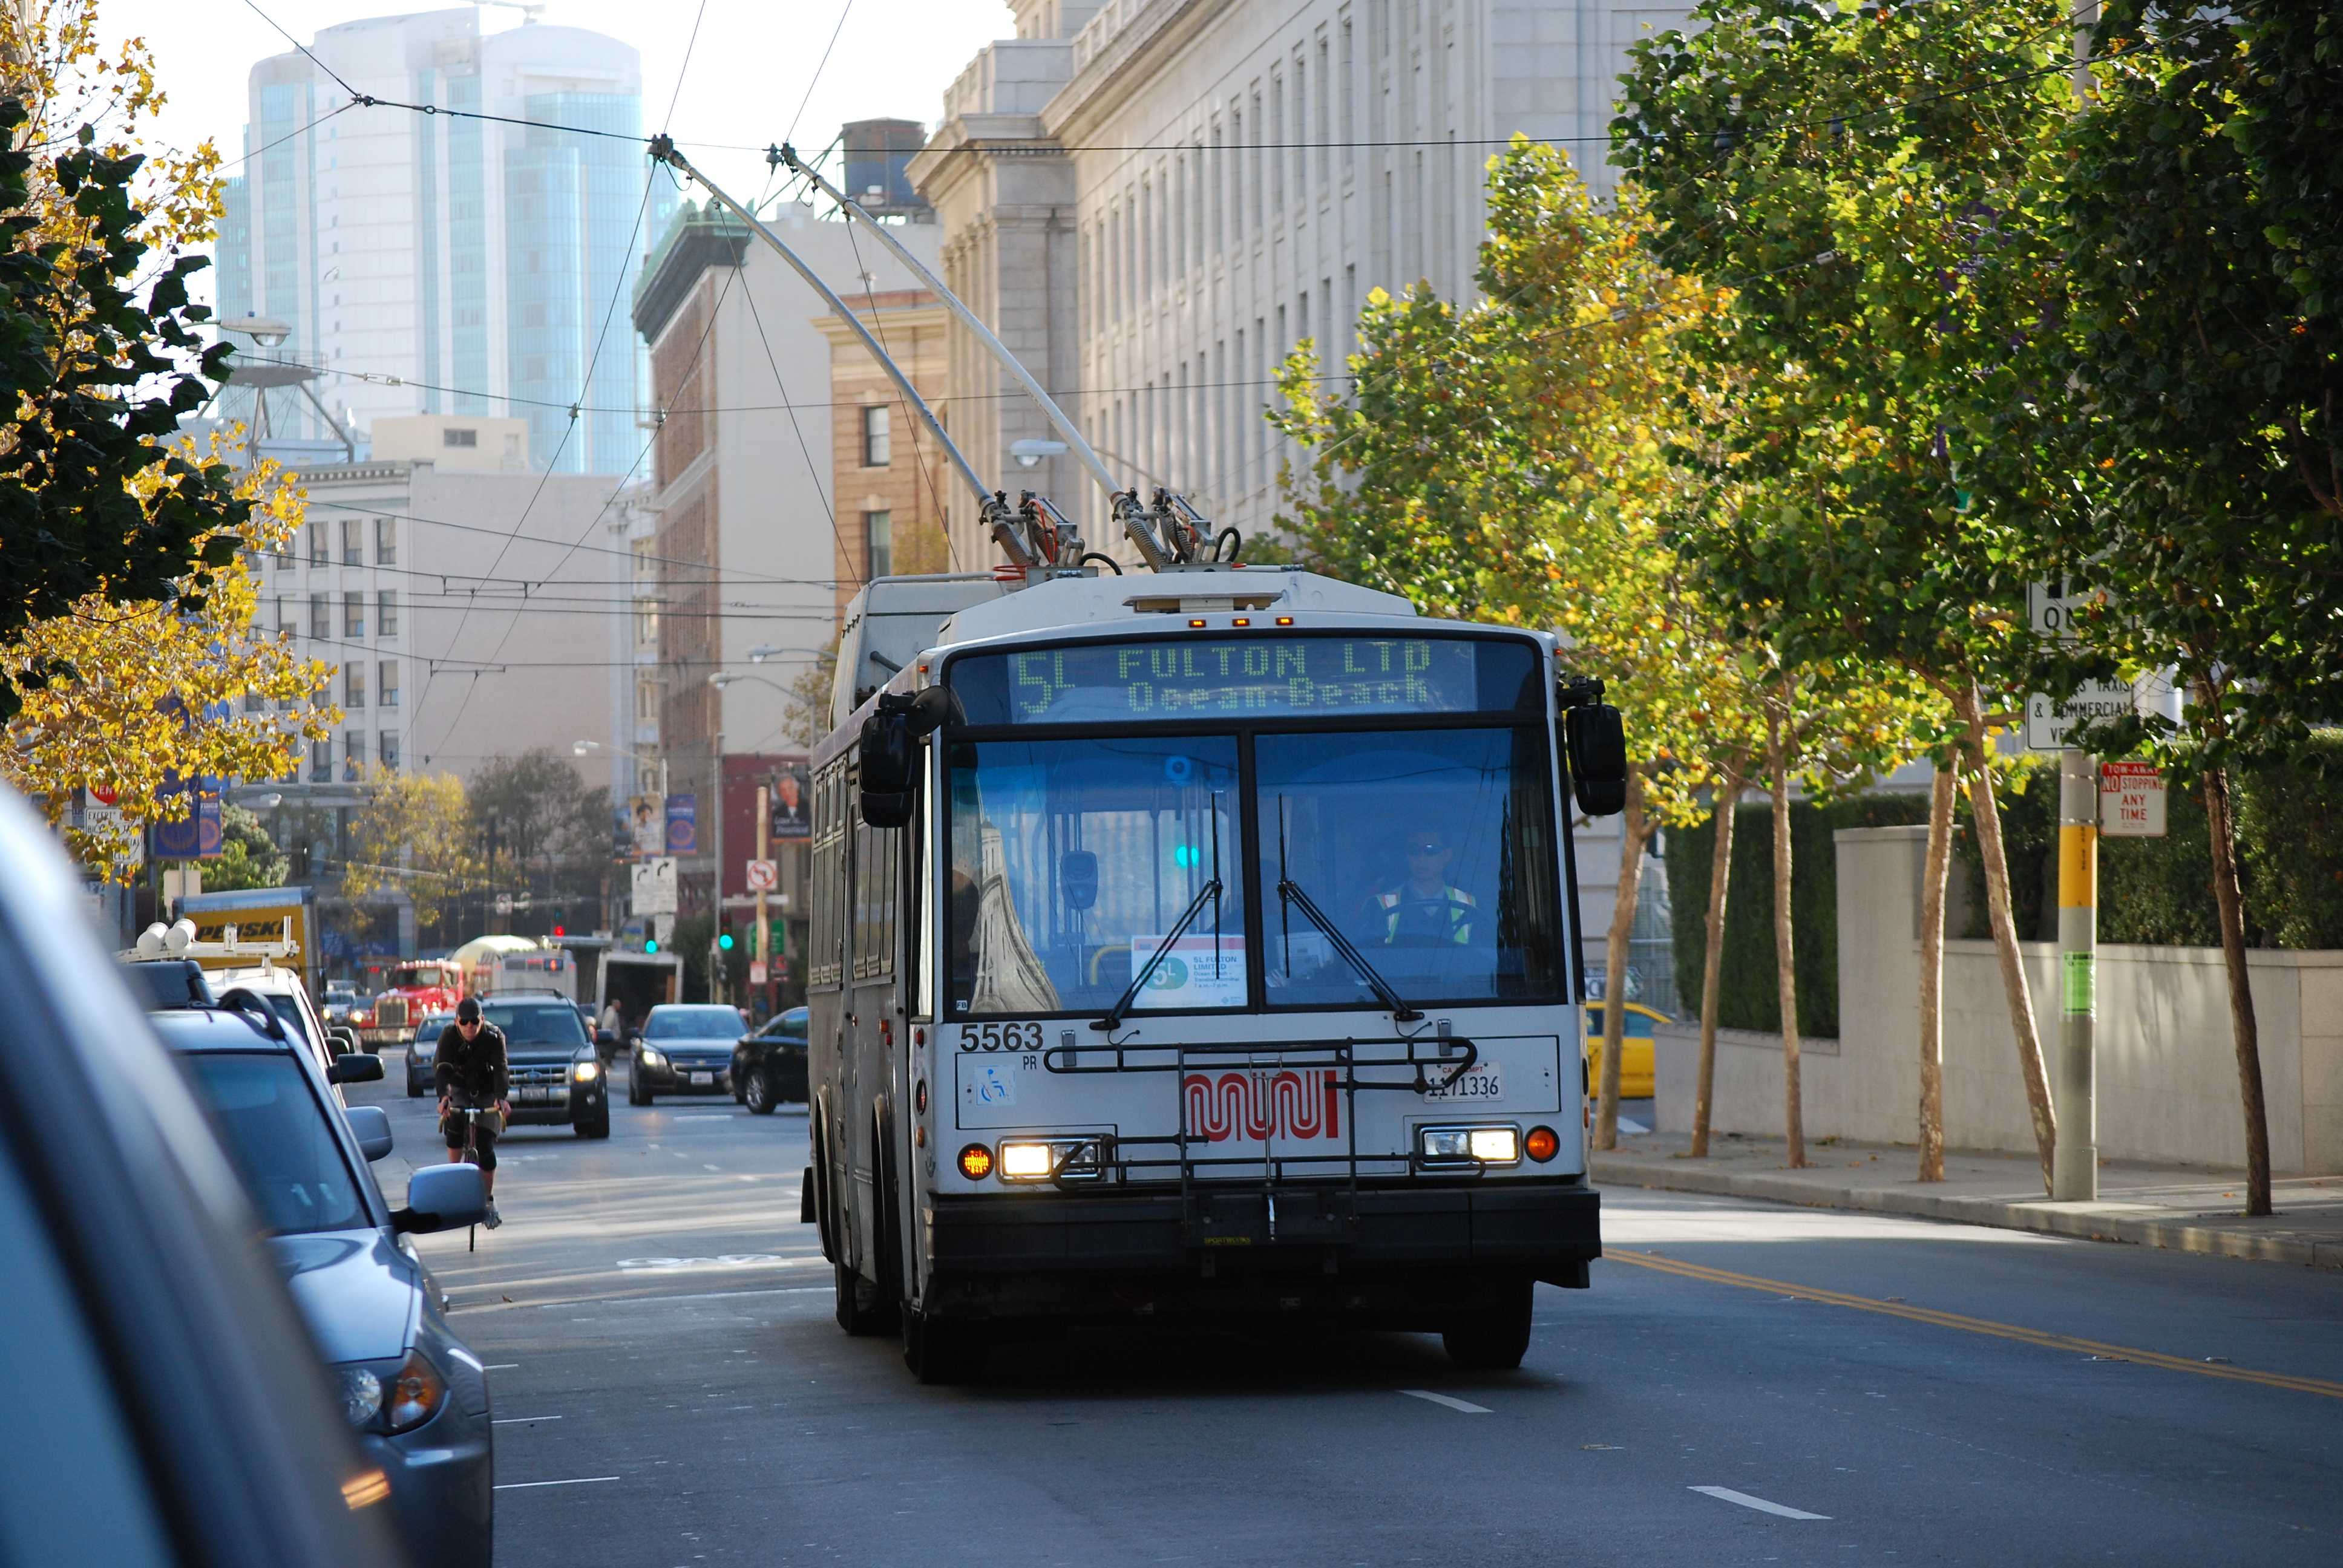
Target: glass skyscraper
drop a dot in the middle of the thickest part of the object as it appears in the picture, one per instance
(443, 263)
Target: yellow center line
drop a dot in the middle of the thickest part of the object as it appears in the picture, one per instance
(1980, 1325)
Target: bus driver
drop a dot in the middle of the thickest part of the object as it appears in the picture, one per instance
(1424, 909)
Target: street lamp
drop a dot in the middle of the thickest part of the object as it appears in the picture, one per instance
(765, 651)
(265, 331)
(724, 678)
(581, 748)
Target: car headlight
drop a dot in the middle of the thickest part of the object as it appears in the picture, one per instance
(416, 1395)
(586, 1072)
(652, 1057)
(361, 1396)
(1469, 1145)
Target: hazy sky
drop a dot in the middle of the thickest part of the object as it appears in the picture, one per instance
(746, 78)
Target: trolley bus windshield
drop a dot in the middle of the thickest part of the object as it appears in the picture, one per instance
(1421, 835)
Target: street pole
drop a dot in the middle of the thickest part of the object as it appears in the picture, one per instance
(717, 990)
(2075, 1155)
(764, 852)
(2075, 1158)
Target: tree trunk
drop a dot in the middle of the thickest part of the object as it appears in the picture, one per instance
(1969, 706)
(1637, 830)
(1941, 790)
(2229, 899)
(1720, 877)
(1778, 762)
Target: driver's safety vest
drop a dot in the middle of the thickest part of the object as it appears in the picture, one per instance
(1451, 914)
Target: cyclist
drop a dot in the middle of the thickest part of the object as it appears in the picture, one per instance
(472, 1074)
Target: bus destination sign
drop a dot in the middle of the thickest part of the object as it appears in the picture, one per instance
(1214, 677)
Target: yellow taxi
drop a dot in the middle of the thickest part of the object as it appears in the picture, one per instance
(1634, 1050)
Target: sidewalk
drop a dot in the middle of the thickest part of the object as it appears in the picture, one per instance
(2191, 1209)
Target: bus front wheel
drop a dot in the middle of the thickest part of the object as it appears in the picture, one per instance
(1495, 1337)
(939, 1351)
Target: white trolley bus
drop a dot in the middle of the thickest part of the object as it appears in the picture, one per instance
(1221, 965)
(1192, 944)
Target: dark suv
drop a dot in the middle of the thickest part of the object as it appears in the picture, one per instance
(556, 1076)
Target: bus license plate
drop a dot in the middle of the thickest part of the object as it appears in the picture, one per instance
(699, 1078)
(532, 1096)
(1481, 1082)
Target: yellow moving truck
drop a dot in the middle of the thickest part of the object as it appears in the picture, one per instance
(259, 915)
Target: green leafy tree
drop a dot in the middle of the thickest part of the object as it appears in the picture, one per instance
(95, 503)
(2205, 248)
(1873, 186)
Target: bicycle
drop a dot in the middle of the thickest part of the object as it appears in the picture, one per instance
(471, 1153)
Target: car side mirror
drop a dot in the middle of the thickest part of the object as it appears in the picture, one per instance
(442, 1198)
(355, 1068)
(1077, 868)
(371, 1123)
(884, 766)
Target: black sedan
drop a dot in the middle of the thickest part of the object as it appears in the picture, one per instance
(770, 1065)
(685, 1048)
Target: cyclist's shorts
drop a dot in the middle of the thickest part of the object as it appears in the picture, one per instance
(484, 1135)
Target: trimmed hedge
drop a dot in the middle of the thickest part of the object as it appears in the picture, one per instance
(1749, 997)
(2159, 892)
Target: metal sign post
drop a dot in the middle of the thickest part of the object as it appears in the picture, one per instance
(2075, 1155)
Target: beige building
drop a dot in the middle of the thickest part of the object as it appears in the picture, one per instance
(1152, 201)
(757, 541)
(891, 479)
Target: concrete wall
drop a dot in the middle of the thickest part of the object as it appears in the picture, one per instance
(2167, 1071)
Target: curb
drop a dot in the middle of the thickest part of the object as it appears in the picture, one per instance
(2083, 1221)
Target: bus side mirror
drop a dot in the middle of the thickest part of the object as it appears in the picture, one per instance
(884, 768)
(1596, 746)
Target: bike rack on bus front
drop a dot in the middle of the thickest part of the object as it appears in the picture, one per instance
(1285, 1208)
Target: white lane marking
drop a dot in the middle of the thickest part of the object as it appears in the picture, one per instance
(703, 1118)
(718, 1171)
(1443, 1399)
(502, 1366)
(729, 1260)
(1727, 1495)
(630, 1300)
(575, 1481)
(521, 1419)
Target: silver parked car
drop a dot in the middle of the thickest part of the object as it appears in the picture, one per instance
(414, 1395)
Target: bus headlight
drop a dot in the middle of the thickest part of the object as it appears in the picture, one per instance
(1025, 1162)
(1469, 1145)
(1054, 1159)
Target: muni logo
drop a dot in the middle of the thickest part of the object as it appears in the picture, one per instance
(1291, 1102)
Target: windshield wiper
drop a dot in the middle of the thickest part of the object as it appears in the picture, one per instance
(1289, 892)
(1212, 890)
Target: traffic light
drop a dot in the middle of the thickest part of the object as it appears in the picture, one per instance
(725, 941)
(560, 931)
(724, 931)
(651, 945)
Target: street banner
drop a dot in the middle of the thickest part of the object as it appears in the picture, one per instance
(2131, 800)
(683, 824)
(645, 830)
(792, 818)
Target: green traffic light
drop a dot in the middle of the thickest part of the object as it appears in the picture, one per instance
(651, 946)
(725, 941)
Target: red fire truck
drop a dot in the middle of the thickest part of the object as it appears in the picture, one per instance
(417, 987)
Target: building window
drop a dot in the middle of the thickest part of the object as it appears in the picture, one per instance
(284, 625)
(386, 613)
(254, 703)
(353, 542)
(354, 756)
(318, 544)
(386, 689)
(878, 529)
(877, 436)
(321, 616)
(647, 700)
(460, 437)
(354, 685)
(321, 762)
(389, 750)
(386, 541)
(353, 614)
(647, 622)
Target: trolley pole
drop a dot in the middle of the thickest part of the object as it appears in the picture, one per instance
(2075, 1158)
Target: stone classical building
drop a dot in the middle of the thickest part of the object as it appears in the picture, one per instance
(1153, 201)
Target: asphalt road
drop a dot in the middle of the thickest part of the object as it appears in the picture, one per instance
(673, 1392)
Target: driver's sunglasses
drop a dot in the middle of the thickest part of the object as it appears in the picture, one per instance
(467, 1023)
